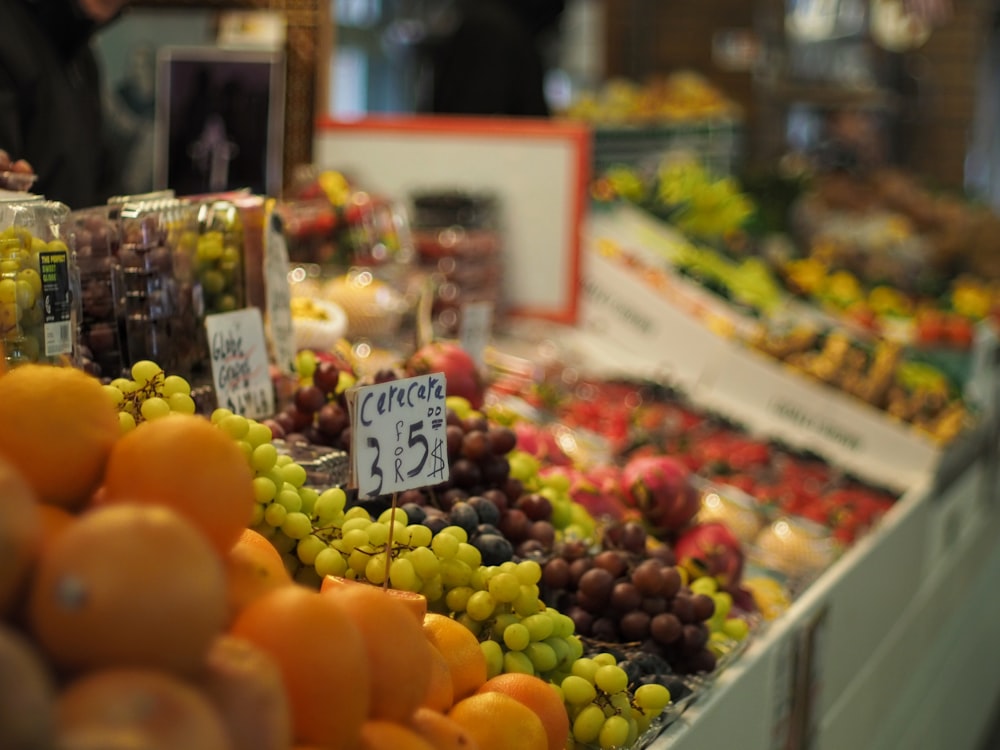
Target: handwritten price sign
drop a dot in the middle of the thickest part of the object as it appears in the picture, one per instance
(240, 363)
(398, 435)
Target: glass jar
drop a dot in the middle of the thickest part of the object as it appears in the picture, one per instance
(39, 283)
(219, 259)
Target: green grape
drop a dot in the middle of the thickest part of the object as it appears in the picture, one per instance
(308, 548)
(351, 524)
(175, 384)
(418, 535)
(331, 502)
(378, 533)
(474, 626)
(256, 515)
(540, 626)
(614, 733)
(181, 403)
(528, 572)
(308, 496)
(454, 572)
(445, 546)
(264, 490)
(245, 448)
(516, 637)
(457, 598)
(358, 560)
(145, 371)
(577, 690)
(290, 499)
(282, 542)
(723, 605)
(543, 657)
(264, 457)
(611, 678)
(457, 532)
(403, 576)
(329, 562)
(375, 569)
(517, 662)
(588, 723)
(154, 408)
(293, 473)
(297, 525)
(563, 625)
(235, 426)
(305, 364)
(619, 702)
(258, 434)
(425, 563)
(219, 414)
(126, 422)
(651, 698)
(357, 512)
(469, 555)
(603, 659)
(275, 514)
(115, 396)
(560, 647)
(481, 606)
(704, 585)
(504, 587)
(433, 589)
(355, 538)
(736, 628)
(401, 517)
(575, 647)
(284, 459)
(526, 602)
(585, 668)
(494, 657)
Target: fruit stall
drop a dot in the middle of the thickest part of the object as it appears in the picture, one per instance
(296, 473)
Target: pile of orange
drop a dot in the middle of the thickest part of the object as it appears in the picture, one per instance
(135, 602)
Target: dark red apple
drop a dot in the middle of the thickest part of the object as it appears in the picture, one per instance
(660, 488)
(711, 549)
(461, 374)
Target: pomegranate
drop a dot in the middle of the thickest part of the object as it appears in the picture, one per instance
(461, 374)
(660, 488)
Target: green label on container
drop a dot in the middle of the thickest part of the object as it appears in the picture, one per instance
(54, 266)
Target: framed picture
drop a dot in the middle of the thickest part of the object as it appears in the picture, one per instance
(219, 120)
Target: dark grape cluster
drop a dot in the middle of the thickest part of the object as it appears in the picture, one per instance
(631, 593)
(318, 412)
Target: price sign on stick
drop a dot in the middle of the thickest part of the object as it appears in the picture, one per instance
(240, 363)
(398, 439)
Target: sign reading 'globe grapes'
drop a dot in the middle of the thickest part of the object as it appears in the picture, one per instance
(398, 438)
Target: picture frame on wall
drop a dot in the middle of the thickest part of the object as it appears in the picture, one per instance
(220, 117)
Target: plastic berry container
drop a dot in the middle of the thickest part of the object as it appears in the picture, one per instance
(94, 236)
(39, 283)
(220, 261)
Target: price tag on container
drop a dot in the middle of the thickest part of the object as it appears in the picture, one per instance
(398, 439)
(240, 367)
(278, 294)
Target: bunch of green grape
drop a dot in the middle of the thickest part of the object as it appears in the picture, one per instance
(726, 630)
(148, 394)
(602, 711)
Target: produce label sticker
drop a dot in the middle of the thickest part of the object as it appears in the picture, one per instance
(278, 296)
(398, 439)
(240, 367)
(54, 267)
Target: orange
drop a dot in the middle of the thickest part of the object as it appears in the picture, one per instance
(440, 731)
(398, 655)
(58, 430)
(55, 520)
(157, 710)
(27, 694)
(21, 531)
(440, 692)
(186, 463)
(244, 685)
(538, 695)
(129, 586)
(461, 649)
(253, 567)
(322, 660)
(498, 722)
(417, 603)
(379, 734)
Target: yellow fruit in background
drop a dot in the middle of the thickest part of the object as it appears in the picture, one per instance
(57, 429)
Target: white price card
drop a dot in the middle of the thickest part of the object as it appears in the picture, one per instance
(398, 439)
(240, 367)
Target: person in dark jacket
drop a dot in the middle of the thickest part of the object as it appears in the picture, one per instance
(492, 61)
(50, 96)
